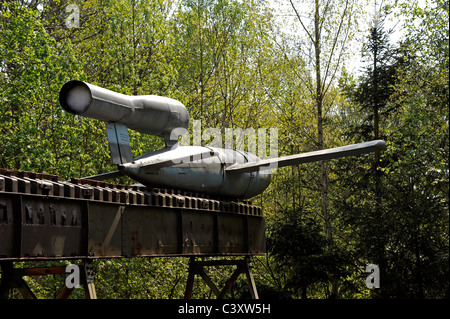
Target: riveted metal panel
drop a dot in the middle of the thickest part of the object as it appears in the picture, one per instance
(231, 233)
(6, 226)
(151, 231)
(198, 232)
(50, 228)
(256, 235)
(105, 230)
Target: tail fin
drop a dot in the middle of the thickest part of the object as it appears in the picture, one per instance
(119, 143)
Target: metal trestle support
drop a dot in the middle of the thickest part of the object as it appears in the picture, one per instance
(196, 267)
(12, 278)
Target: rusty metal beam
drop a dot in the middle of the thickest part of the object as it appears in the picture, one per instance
(87, 219)
(45, 218)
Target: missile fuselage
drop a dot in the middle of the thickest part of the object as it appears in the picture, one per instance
(202, 169)
(160, 116)
(203, 175)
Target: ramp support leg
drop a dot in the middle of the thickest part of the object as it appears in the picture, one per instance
(12, 278)
(243, 266)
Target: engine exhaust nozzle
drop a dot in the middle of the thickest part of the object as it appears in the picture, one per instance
(148, 114)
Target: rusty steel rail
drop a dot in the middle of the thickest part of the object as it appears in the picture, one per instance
(43, 217)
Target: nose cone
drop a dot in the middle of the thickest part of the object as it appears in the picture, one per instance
(130, 170)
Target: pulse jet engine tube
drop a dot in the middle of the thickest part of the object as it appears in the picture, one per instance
(148, 114)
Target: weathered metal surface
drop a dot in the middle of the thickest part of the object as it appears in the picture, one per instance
(204, 169)
(148, 114)
(42, 217)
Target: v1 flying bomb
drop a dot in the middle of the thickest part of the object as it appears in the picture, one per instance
(203, 169)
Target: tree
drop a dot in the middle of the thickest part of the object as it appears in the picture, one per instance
(33, 67)
(398, 214)
(221, 47)
(300, 249)
(328, 35)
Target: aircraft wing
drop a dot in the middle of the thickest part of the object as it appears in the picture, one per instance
(160, 162)
(170, 157)
(160, 159)
(103, 176)
(322, 155)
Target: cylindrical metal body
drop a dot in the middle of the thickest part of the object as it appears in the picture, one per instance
(148, 114)
(244, 185)
(203, 175)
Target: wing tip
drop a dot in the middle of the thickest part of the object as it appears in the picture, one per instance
(379, 145)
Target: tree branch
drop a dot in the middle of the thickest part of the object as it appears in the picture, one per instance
(333, 48)
(301, 22)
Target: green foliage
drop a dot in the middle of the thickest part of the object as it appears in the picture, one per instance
(299, 248)
(141, 278)
(220, 48)
(408, 189)
(233, 66)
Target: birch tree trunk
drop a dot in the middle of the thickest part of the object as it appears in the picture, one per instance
(338, 19)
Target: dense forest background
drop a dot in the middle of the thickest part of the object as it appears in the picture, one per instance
(324, 73)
